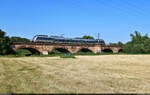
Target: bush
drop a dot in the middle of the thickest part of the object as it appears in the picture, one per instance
(67, 56)
(84, 53)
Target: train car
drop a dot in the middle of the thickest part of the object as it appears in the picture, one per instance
(59, 39)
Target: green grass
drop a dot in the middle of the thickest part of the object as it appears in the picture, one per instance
(84, 74)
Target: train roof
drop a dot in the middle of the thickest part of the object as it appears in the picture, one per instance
(42, 35)
(77, 39)
(61, 38)
(56, 36)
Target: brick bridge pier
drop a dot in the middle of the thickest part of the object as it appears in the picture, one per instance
(44, 48)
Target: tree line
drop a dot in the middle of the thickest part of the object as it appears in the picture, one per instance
(6, 42)
(139, 44)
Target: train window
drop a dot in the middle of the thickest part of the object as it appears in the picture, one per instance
(37, 38)
(40, 38)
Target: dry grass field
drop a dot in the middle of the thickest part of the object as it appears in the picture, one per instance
(84, 74)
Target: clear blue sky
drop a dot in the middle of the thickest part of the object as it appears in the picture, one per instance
(113, 19)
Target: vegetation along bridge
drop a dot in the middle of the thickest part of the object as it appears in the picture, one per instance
(45, 48)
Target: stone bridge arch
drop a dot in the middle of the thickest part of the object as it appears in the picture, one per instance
(109, 50)
(114, 49)
(85, 50)
(31, 49)
(120, 50)
(61, 49)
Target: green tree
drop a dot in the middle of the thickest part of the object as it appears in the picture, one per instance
(120, 43)
(87, 37)
(5, 44)
(2, 34)
(113, 44)
(116, 44)
(19, 39)
(138, 44)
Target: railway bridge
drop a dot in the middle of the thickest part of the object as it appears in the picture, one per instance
(45, 48)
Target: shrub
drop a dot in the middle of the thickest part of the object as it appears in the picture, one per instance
(67, 56)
